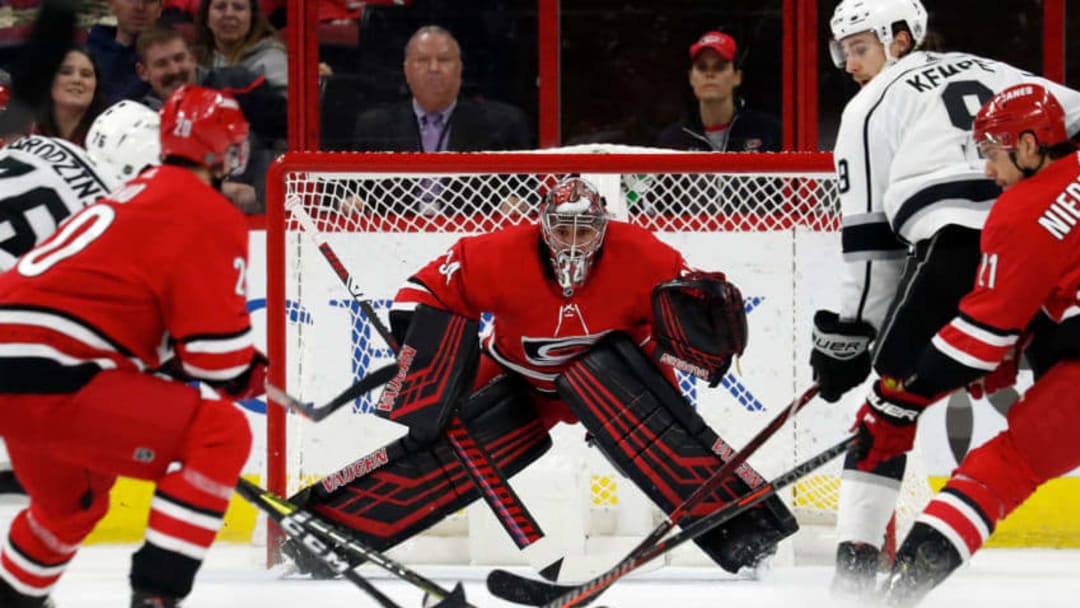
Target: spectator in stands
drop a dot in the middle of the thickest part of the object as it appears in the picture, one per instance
(75, 101)
(237, 33)
(719, 119)
(436, 119)
(113, 48)
(166, 63)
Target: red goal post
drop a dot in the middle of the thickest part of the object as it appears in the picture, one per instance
(770, 221)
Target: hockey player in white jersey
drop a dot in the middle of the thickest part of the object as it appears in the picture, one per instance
(913, 199)
(43, 180)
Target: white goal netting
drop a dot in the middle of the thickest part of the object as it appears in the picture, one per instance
(768, 221)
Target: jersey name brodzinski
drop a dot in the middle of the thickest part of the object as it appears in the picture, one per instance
(1062, 215)
(937, 74)
(81, 177)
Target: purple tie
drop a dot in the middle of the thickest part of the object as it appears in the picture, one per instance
(430, 130)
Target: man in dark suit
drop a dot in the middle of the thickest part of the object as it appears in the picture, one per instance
(436, 119)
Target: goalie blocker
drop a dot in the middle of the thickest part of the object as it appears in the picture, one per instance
(650, 433)
(436, 367)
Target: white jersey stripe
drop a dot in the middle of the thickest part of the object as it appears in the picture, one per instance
(214, 374)
(948, 532)
(176, 545)
(218, 346)
(29, 566)
(984, 336)
(962, 357)
(56, 323)
(182, 513)
(19, 350)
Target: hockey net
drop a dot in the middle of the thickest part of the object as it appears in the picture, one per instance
(769, 221)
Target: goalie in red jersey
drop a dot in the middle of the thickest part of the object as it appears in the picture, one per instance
(582, 306)
(1025, 301)
(150, 278)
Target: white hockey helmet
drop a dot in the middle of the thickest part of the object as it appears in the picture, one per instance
(125, 139)
(854, 16)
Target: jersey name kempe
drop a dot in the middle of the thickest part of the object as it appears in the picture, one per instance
(929, 79)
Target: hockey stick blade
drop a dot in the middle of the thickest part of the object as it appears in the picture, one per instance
(514, 588)
(328, 542)
(312, 543)
(366, 384)
(509, 585)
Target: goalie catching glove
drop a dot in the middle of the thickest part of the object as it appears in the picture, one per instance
(700, 324)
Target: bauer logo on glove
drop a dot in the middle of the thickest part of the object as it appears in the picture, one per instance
(700, 324)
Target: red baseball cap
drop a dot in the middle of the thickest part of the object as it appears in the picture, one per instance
(720, 42)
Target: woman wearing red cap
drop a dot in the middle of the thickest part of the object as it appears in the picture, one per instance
(720, 122)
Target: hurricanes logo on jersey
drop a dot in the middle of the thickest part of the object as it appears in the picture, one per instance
(550, 352)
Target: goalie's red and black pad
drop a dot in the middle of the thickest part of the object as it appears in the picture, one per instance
(405, 487)
(436, 367)
(700, 324)
(646, 428)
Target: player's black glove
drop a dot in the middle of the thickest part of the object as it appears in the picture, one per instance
(841, 355)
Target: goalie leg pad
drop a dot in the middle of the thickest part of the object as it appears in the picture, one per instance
(436, 367)
(405, 487)
(651, 434)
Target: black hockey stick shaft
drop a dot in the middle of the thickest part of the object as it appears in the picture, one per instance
(504, 502)
(584, 594)
(370, 382)
(727, 470)
(326, 541)
(515, 588)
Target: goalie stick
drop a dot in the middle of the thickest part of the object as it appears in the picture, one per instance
(503, 501)
(550, 595)
(328, 542)
(315, 413)
(506, 583)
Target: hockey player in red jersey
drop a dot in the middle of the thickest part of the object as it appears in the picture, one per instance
(151, 278)
(579, 304)
(1024, 300)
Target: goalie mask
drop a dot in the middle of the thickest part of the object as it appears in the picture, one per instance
(573, 220)
(878, 16)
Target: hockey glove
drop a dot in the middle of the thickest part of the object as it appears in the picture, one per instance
(249, 384)
(1003, 376)
(886, 423)
(841, 355)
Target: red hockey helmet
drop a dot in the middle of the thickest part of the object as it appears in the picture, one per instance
(206, 127)
(573, 220)
(1018, 110)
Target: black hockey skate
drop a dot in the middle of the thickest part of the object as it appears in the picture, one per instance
(10, 598)
(924, 560)
(142, 599)
(747, 544)
(856, 569)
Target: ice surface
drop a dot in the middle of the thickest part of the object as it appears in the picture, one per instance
(232, 578)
